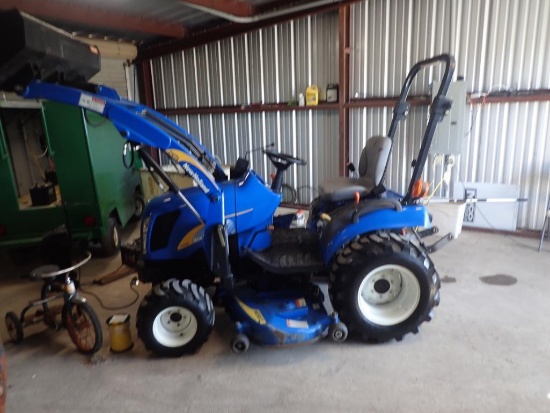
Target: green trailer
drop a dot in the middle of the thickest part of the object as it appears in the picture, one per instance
(63, 165)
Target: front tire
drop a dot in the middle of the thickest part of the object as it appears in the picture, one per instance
(175, 318)
(383, 286)
(83, 326)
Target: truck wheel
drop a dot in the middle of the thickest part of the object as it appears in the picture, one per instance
(175, 318)
(139, 207)
(383, 286)
(110, 242)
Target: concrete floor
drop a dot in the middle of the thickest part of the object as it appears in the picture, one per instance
(486, 351)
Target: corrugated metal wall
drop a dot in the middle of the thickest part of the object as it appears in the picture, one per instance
(272, 65)
(498, 46)
(113, 74)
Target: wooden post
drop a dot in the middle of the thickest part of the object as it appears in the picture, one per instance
(343, 98)
(145, 82)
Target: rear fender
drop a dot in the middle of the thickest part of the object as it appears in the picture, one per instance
(346, 225)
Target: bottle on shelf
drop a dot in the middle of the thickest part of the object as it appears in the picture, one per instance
(312, 95)
(332, 93)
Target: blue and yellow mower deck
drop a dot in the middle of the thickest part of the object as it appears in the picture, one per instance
(281, 317)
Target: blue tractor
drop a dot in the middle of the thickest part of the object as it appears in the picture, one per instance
(221, 234)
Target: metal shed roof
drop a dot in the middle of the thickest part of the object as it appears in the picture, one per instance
(148, 22)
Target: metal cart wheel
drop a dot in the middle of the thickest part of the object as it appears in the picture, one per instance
(240, 343)
(15, 328)
(338, 332)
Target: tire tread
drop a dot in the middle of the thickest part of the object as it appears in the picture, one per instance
(358, 254)
(180, 293)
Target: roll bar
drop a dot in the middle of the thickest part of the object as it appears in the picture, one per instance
(440, 104)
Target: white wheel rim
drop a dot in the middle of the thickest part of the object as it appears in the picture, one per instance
(115, 236)
(175, 326)
(139, 208)
(388, 295)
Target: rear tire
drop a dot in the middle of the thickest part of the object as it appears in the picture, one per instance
(14, 327)
(383, 286)
(83, 326)
(175, 318)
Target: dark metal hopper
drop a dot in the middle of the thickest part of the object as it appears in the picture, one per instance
(31, 49)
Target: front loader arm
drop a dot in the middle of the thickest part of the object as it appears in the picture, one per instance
(141, 125)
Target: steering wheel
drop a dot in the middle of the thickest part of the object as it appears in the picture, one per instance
(287, 159)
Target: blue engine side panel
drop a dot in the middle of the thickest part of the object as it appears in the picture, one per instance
(187, 234)
(253, 213)
(248, 206)
(385, 219)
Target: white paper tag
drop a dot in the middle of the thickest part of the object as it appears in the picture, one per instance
(296, 324)
(118, 319)
(92, 103)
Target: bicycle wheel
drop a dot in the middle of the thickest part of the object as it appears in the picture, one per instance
(306, 194)
(83, 327)
(289, 194)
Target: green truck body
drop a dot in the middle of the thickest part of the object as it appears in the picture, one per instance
(94, 187)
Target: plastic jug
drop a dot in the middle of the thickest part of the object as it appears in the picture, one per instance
(312, 95)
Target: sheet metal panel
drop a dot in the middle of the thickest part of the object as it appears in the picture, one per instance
(310, 135)
(272, 65)
(499, 46)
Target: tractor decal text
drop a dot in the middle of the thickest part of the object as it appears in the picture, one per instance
(195, 177)
(180, 156)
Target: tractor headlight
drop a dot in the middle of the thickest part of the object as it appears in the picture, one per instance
(144, 233)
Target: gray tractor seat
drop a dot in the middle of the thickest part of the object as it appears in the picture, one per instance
(372, 165)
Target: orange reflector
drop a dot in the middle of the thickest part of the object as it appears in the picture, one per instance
(357, 197)
(420, 189)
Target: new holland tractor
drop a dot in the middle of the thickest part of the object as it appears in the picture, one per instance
(221, 234)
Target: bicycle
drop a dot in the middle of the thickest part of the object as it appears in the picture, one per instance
(77, 315)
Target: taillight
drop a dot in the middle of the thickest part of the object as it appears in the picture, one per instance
(420, 189)
(89, 221)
